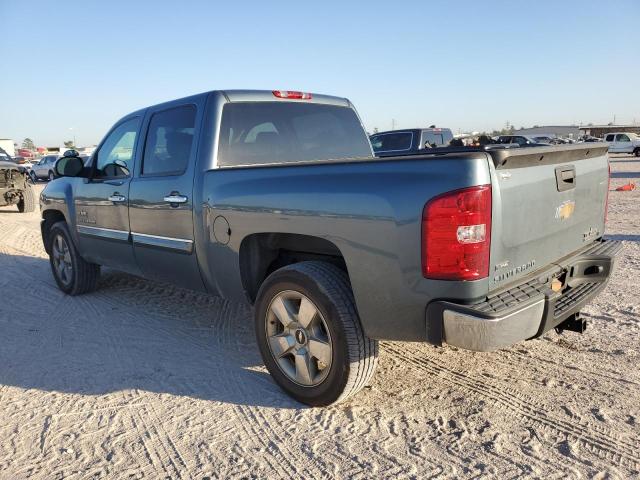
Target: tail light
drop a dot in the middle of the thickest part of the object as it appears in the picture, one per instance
(606, 201)
(292, 95)
(456, 235)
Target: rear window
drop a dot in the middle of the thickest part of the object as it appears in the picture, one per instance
(254, 133)
(609, 138)
(392, 142)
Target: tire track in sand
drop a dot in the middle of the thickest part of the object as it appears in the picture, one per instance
(596, 439)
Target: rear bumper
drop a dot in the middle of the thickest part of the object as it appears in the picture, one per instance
(526, 310)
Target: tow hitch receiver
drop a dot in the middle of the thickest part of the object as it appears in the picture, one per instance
(575, 323)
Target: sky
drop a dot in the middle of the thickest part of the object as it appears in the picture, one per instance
(71, 69)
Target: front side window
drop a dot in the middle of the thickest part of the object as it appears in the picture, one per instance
(623, 138)
(259, 133)
(169, 141)
(392, 142)
(115, 157)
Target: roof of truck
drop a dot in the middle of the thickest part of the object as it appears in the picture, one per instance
(270, 96)
(252, 96)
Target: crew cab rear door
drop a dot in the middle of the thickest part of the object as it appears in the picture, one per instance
(161, 195)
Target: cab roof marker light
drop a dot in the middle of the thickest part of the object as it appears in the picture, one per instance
(292, 94)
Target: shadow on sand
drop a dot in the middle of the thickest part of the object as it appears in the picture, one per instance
(130, 334)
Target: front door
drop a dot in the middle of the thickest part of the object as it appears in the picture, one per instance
(161, 198)
(101, 201)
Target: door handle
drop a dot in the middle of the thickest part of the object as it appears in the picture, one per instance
(175, 198)
(116, 198)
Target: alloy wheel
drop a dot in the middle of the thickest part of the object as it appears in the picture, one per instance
(298, 338)
(62, 260)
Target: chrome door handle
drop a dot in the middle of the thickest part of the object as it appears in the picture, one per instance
(175, 198)
(117, 198)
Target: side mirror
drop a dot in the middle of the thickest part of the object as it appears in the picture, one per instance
(69, 166)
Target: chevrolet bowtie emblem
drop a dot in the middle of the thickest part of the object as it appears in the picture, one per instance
(565, 210)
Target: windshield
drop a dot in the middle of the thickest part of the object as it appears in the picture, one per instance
(253, 133)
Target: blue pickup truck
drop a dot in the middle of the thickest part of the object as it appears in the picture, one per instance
(275, 198)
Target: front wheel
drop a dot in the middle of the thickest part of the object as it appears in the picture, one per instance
(33, 176)
(310, 336)
(73, 274)
(636, 152)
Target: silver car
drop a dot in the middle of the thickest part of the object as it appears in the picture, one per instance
(44, 168)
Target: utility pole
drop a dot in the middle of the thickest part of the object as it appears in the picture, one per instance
(393, 124)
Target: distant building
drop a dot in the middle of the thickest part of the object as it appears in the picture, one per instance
(566, 131)
(602, 130)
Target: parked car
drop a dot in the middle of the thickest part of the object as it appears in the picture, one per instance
(44, 169)
(275, 199)
(23, 152)
(4, 156)
(413, 140)
(544, 139)
(522, 140)
(24, 163)
(14, 188)
(624, 142)
(590, 139)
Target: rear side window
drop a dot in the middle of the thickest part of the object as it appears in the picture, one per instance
(392, 142)
(169, 141)
(255, 133)
(609, 138)
(436, 138)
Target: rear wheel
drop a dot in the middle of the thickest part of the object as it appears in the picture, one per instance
(72, 273)
(27, 202)
(51, 176)
(309, 334)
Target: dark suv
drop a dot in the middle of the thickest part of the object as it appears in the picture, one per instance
(412, 140)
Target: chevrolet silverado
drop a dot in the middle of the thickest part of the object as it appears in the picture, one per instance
(275, 198)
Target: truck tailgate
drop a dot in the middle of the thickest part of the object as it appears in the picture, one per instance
(547, 203)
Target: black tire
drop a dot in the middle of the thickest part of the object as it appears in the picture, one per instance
(354, 356)
(84, 275)
(636, 152)
(28, 201)
(52, 176)
(33, 177)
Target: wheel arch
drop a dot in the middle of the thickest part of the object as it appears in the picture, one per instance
(49, 218)
(263, 253)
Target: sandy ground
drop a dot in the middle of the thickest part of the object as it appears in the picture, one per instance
(142, 379)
